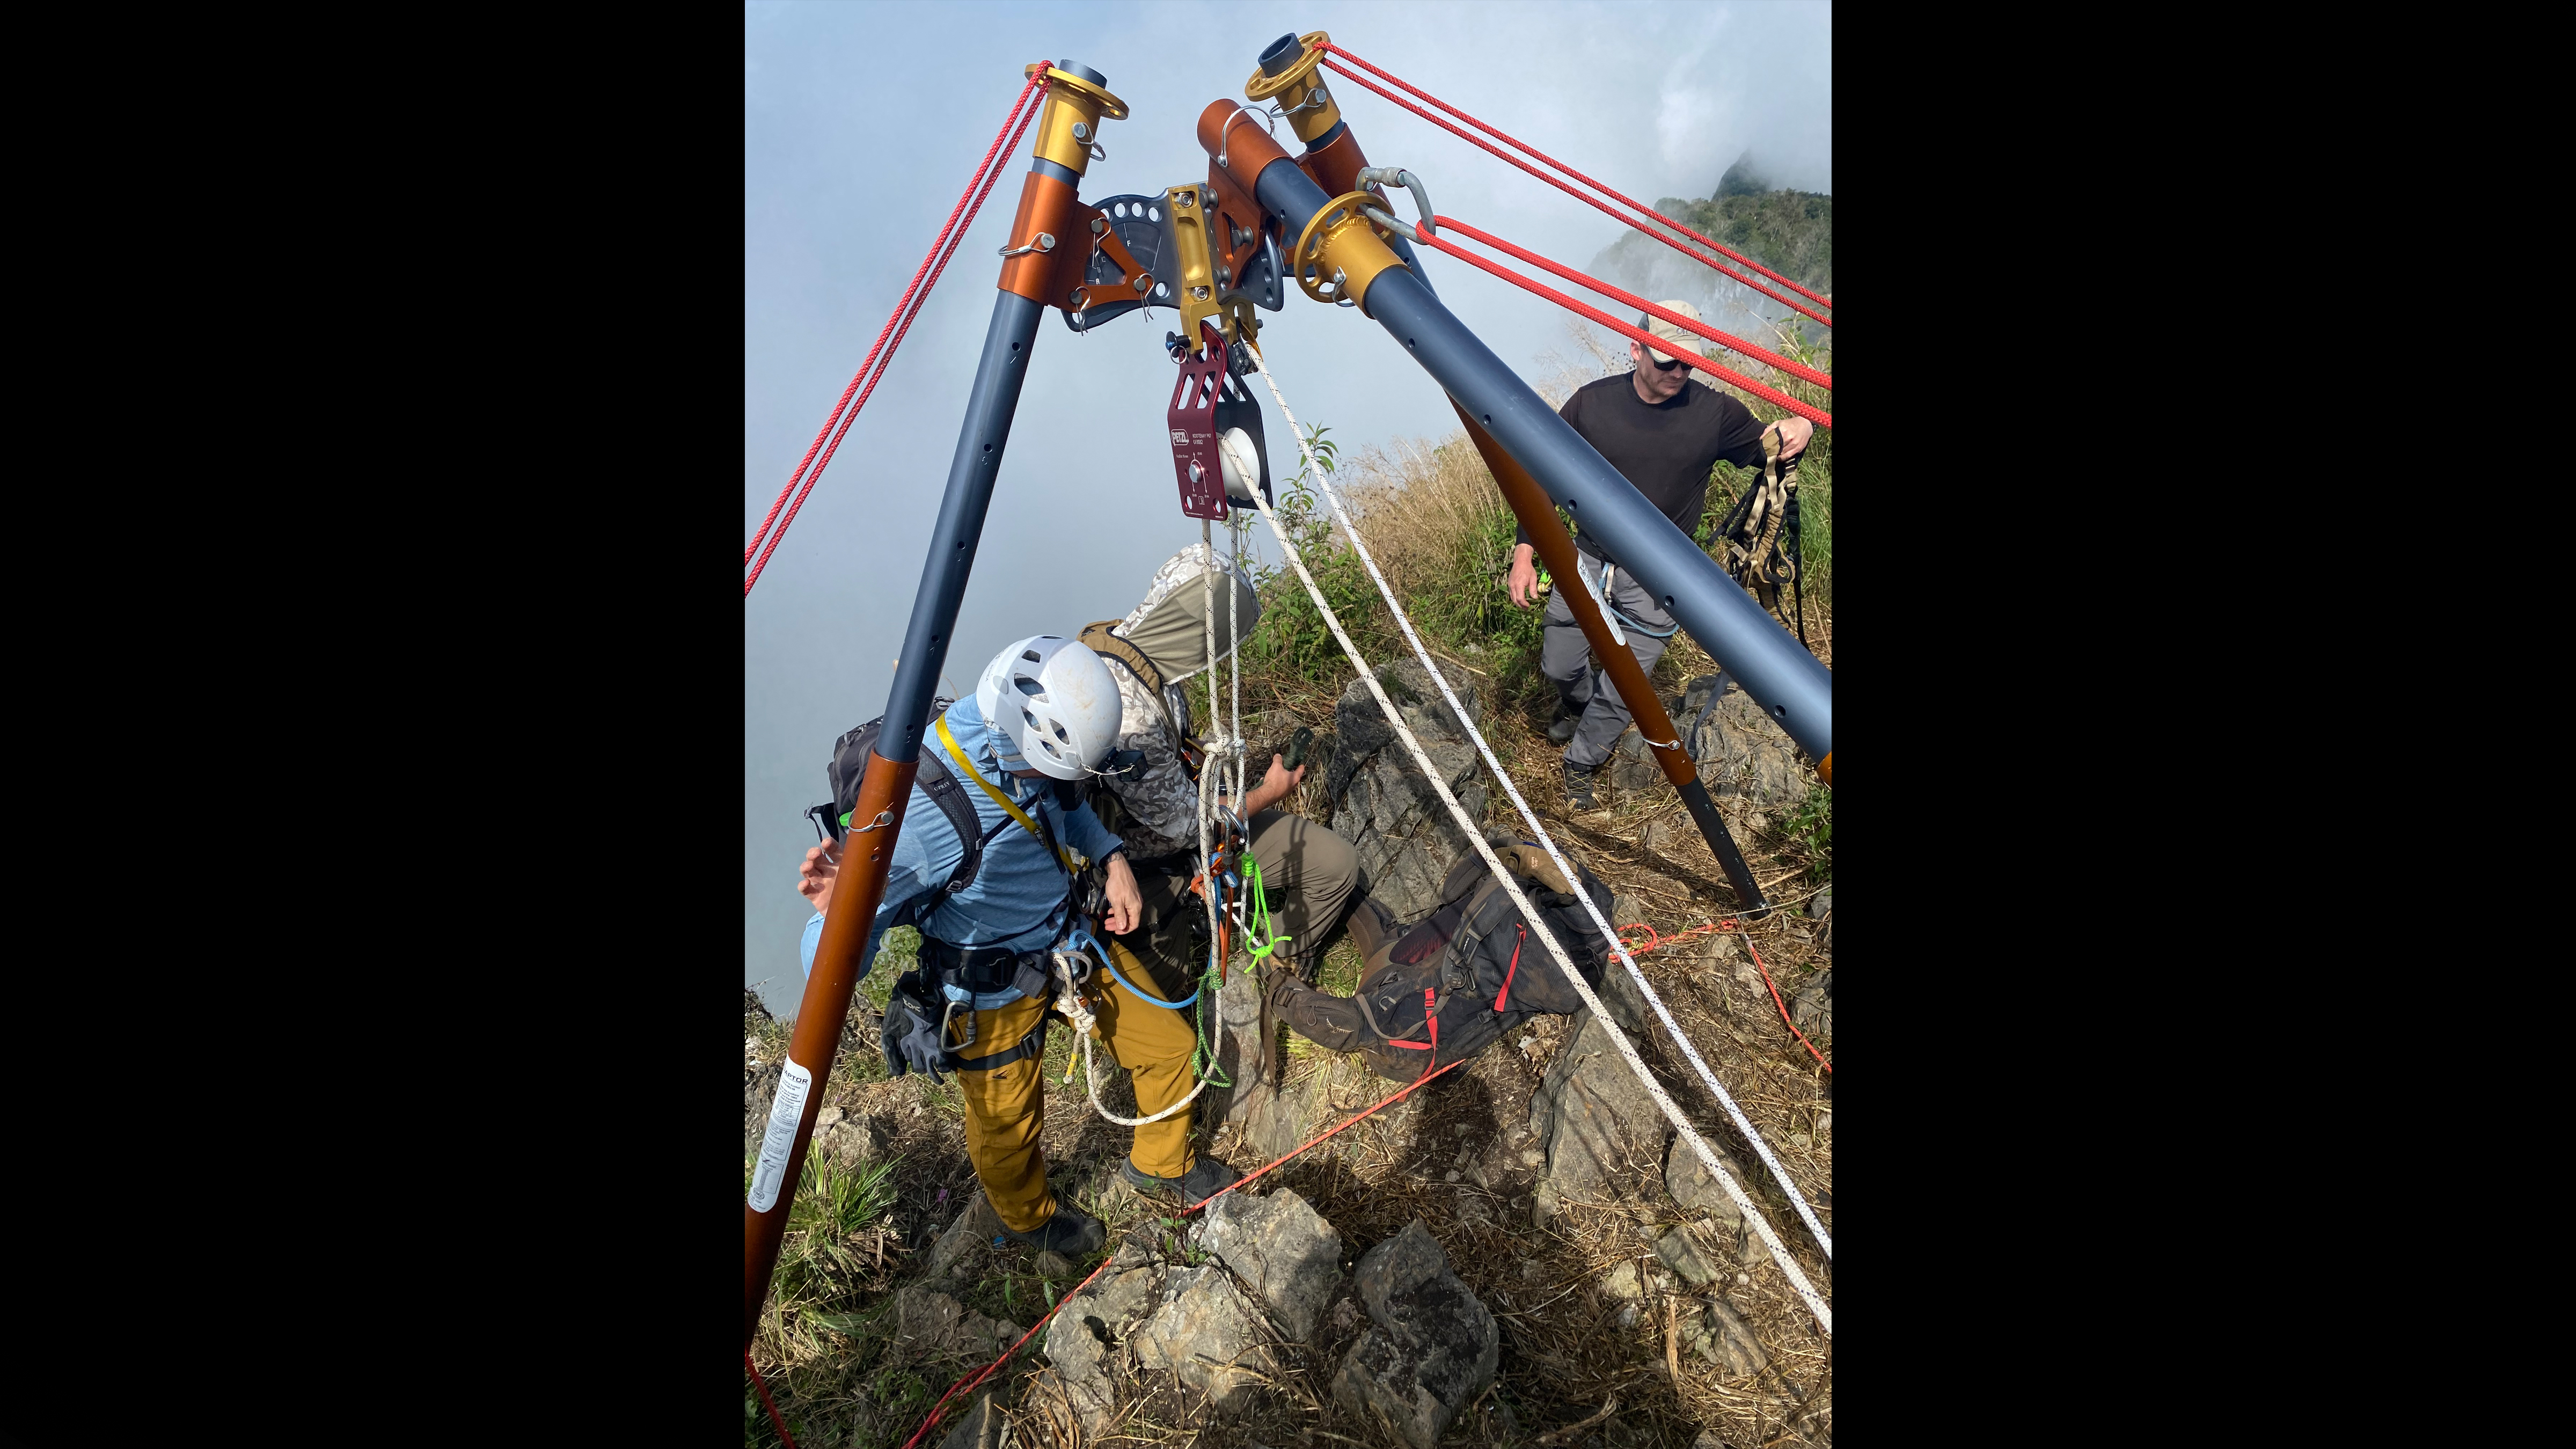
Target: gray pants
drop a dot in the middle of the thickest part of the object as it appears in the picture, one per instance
(1567, 660)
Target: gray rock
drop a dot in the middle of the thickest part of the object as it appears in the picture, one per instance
(1623, 1282)
(1247, 1050)
(1813, 1007)
(1054, 1265)
(1208, 1333)
(980, 1429)
(1602, 1133)
(1094, 1327)
(1632, 766)
(1684, 1257)
(1741, 751)
(1382, 805)
(975, 1226)
(1720, 1335)
(1283, 1250)
(1430, 1349)
(1823, 905)
(1283, 1118)
(1688, 1180)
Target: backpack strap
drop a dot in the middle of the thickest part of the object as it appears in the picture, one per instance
(1097, 638)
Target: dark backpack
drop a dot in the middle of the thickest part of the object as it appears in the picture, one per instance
(1476, 966)
(849, 766)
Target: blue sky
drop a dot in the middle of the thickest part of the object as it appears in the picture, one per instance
(862, 123)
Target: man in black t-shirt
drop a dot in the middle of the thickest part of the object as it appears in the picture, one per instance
(1663, 433)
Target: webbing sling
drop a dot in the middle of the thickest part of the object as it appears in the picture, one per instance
(999, 798)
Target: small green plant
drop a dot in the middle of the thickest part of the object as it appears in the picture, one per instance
(1811, 825)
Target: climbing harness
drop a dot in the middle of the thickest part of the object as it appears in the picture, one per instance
(1759, 538)
(1753, 1215)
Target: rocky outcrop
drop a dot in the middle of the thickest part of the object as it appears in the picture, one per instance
(1283, 1251)
(1206, 1332)
(1430, 1347)
(1092, 1331)
(1205, 1306)
(1601, 1132)
(1382, 805)
(1699, 1194)
(1746, 760)
(980, 1429)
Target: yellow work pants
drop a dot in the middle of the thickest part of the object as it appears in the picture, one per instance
(1005, 1109)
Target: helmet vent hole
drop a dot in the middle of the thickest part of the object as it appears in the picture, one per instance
(1031, 655)
(1030, 687)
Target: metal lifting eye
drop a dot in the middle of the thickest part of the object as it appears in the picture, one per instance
(1044, 243)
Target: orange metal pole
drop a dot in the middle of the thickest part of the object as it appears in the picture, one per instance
(1555, 548)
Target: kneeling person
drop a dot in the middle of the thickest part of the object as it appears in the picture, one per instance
(1309, 871)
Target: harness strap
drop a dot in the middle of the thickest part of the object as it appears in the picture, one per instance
(1109, 646)
(1034, 1044)
(999, 798)
(1506, 993)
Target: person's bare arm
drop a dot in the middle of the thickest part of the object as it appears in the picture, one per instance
(1524, 581)
(1126, 902)
(1274, 787)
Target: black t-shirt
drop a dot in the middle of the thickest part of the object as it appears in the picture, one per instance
(1666, 448)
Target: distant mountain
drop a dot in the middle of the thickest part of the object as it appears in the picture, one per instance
(1791, 232)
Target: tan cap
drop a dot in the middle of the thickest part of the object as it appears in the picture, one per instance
(1659, 327)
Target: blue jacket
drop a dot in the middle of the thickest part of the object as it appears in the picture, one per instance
(1015, 900)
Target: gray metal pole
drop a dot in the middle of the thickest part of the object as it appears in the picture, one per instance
(980, 441)
(1786, 680)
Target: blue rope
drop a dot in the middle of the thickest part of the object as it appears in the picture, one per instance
(1081, 940)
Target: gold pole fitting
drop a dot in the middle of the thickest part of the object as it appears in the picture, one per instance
(1300, 91)
(1068, 131)
(1341, 251)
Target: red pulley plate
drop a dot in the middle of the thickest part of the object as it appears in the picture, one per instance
(1192, 420)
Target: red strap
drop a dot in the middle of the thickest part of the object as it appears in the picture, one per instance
(1433, 1045)
(1506, 993)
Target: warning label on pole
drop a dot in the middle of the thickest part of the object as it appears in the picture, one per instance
(785, 1111)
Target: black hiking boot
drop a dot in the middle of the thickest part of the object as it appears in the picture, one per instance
(1071, 1232)
(1568, 719)
(1197, 1185)
(1578, 790)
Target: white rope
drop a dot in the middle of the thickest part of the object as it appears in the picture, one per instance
(1476, 837)
(1078, 1012)
(1547, 842)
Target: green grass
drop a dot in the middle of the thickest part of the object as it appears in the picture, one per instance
(1811, 825)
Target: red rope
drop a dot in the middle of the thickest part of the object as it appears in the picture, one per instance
(1577, 175)
(915, 296)
(1655, 940)
(1665, 345)
(969, 1385)
(1595, 204)
(1794, 368)
(764, 1398)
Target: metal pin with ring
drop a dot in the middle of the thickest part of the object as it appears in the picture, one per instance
(1044, 243)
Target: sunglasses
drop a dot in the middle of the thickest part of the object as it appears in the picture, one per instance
(1666, 366)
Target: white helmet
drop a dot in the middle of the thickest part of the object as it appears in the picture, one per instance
(1051, 705)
